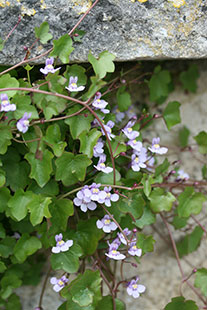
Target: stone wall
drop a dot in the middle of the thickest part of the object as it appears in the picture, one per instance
(130, 30)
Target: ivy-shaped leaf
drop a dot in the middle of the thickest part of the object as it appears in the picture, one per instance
(183, 136)
(7, 81)
(103, 64)
(42, 33)
(60, 211)
(18, 204)
(201, 140)
(53, 138)
(38, 208)
(5, 138)
(171, 114)
(62, 48)
(26, 246)
(159, 84)
(123, 99)
(160, 200)
(190, 242)
(88, 140)
(40, 168)
(201, 280)
(189, 78)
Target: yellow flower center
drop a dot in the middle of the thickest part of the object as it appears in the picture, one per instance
(110, 130)
(74, 84)
(134, 247)
(134, 141)
(60, 282)
(102, 165)
(114, 251)
(95, 190)
(156, 146)
(26, 122)
(4, 101)
(135, 286)
(98, 100)
(60, 242)
(50, 66)
(108, 195)
(129, 129)
(136, 159)
(107, 222)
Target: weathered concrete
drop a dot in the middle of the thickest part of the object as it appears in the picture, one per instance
(131, 30)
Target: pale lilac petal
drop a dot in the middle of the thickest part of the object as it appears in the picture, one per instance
(53, 280)
(99, 224)
(141, 288)
(55, 249)
(114, 197)
(57, 288)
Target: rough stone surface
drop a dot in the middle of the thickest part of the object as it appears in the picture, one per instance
(158, 271)
(130, 30)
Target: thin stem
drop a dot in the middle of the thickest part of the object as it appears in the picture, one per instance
(44, 287)
(202, 227)
(9, 34)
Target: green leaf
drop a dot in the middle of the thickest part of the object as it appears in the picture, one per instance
(147, 218)
(117, 147)
(171, 114)
(88, 235)
(76, 70)
(190, 242)
(62, 48)
(159, 84)
(60, 211)
(160, 200)
(147, 181)
(40, 168)
(123, 99)
(183, 136)
(5, 138)
(42, 33)
(67, 261)
(78, 123)
(107, 303)
(6, 246)
(161, 169)
(88, 140)
(190, 202)
(2, 177)
(53, 138)
(96, 85)
(26, 246)
(80, 34)
(84, 297)
(103, 64)
(201, 280)
(189, 78)
(71, 168)
(204, 172)
(39, 208)
(133, 205)
(23, 104)
(17, 174)
(201, 140)
(146, 243)
(105, 178)
(18, 204)
(7, 81)
(2, 267)
(2, 231)
(8, 283)
(181, 304)
(13, 302)
(179, 222)
(4, 198)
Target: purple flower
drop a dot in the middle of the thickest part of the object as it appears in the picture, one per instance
(101, 165)
(133, 250)
(98, 148)
(131, 112)
(106, 224)
(110, 197)
(73, 85)
(134, 289)
(99, 103)
(150, 163)
(61, 246)
(138, 160)
(114, 245)
(119, 115)
(83, 200)
(156, 148)
(23, 123)
(5, 104)
(96, 193)
(136, 145)
(108, 128)
(121, 237)
(182, 176)
(58, 283)
(114, 254)
(129, 132)
(49, 67)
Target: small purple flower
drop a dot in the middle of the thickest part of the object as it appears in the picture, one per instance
(131, 112)
(98, 148)
(106, 224)
(182, 176)
(108, 128)
(136, 145)
(156, 148)
(23, 123)
(99, 103)
(150, 163)
(49, 66)
(5, 104)
(133, 250)
(114, 254)
(119, 115)
(138, 161)
(61, 246)
(73, 85)
(101, 165)
(129, 132)
(134, 289)
(97, 194)
(114, 245)
(58, 283)
(121, 237)
(83, 199)
(110, 197)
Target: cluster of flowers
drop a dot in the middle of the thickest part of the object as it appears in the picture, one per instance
(121, 239)
(88, 196)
